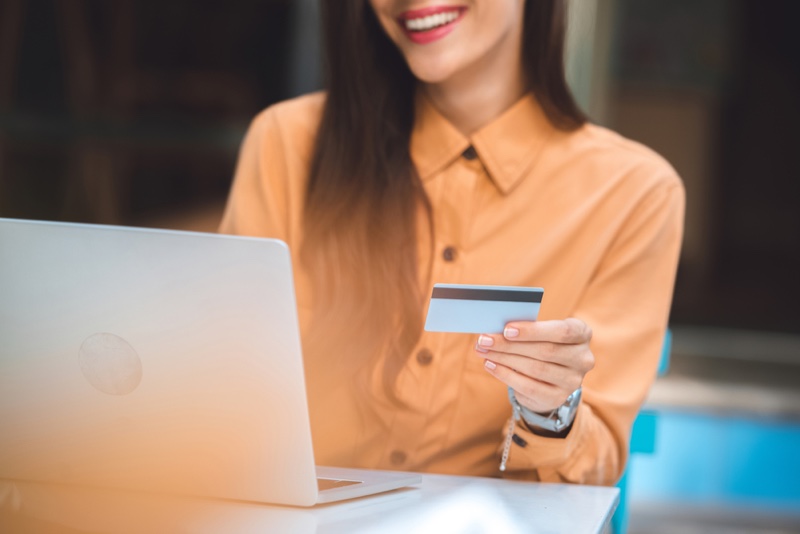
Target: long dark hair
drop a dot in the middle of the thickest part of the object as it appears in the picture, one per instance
(364, 200)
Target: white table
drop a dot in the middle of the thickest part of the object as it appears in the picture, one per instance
(440, 504)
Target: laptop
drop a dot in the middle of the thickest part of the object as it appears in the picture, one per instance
(158, 360)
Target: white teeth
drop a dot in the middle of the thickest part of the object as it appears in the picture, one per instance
(431, 21)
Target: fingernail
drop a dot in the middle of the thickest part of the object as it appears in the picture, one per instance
(510, 331)
(485, 341)
(489, 365)
(479, 349)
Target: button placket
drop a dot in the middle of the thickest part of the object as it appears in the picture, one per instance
(410, 433)
(397, 457)
(443, 384)
(424, 356)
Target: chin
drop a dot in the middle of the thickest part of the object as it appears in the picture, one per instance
(432, 71)
(430, 78)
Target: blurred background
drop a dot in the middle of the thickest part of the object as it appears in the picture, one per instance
(131, 112)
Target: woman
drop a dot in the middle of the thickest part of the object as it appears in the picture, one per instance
(447, 148)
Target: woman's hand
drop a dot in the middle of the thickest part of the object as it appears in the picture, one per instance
(542, 361)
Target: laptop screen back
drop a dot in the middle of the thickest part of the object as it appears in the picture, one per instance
(167, 361)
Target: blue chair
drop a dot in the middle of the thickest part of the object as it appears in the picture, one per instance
(643, 441)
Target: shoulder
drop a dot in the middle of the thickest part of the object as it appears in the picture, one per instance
(285, 133)
(596, 171)
(611, 159)
(293, 121)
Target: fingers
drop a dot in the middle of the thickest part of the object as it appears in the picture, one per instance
(576, 356)
(543, 362)
(533, 394)
(550, 373)
(567, 331)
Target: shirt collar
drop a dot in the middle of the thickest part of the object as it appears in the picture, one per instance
(508, 146)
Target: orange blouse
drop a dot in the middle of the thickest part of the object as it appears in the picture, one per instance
(592, 217)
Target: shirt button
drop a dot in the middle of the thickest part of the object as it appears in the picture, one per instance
(449, 254)
(424, 357)
(469, 154)
(397, 457)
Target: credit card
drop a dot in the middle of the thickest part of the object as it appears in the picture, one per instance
(469, 309)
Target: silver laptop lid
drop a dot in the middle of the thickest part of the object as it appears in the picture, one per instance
(152, 359)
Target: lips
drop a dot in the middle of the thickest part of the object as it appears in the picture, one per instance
(423, 26)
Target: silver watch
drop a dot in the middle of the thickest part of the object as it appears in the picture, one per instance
(556, 421)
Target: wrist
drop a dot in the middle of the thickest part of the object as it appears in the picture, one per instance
(555, 424)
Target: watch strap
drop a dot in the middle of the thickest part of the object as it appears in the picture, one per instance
(552, 424)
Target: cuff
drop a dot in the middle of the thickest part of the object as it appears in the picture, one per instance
(533, 451)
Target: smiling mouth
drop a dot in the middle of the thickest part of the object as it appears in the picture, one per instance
(429, 24)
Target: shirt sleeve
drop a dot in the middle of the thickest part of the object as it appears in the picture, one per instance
(257, 205)
(627, 306)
